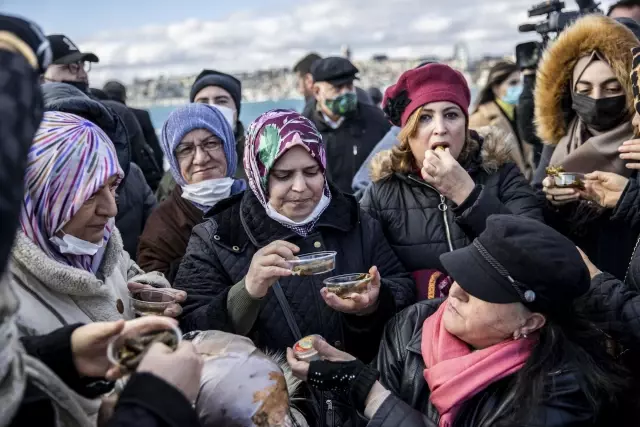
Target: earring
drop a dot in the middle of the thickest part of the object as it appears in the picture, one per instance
(524, 335)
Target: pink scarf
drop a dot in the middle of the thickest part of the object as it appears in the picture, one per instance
(455, 373)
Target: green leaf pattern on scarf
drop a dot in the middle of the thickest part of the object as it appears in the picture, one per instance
(268, 151)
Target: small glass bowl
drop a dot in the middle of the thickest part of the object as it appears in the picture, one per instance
(116, 344)
(347, 284)
(312, 264)
(569, 180)
(304, 350)
(151, 302)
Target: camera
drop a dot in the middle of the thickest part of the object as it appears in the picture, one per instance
(528, 54)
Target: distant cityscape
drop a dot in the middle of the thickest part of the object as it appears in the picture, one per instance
(275, 84)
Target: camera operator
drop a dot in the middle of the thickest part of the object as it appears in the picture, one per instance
(625, 9)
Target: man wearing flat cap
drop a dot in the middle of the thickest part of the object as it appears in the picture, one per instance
(350, 129)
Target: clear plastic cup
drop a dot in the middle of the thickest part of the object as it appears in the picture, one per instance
(569, 180)
(347, 284)
(312, 264)
(303, 349)
(116, 345)
(151, 302)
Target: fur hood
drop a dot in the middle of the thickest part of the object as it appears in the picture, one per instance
(495, 151)
(592, 33)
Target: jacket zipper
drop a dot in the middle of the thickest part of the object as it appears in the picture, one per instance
(626, 276)
(442, 207)
(330, 410)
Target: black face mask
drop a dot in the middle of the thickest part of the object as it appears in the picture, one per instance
(83, 86)
(600, 114)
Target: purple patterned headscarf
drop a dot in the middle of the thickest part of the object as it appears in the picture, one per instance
(270, 136)
(70, 159)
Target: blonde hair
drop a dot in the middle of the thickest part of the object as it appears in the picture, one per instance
(402, 158)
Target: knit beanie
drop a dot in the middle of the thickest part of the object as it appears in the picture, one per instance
(429, 83)
(216, 78)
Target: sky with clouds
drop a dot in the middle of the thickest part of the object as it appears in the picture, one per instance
(150, 38)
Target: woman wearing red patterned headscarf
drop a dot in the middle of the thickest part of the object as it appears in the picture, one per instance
(237, 261)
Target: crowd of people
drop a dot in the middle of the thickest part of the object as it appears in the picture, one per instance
(499, 240)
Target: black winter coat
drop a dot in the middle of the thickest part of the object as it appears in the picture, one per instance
(149, 132)
(219, 256)
(421, 224)
(135, 202)
(349, 145)
(142, 154)
(401, 371)
(20, 115)
(146, 401)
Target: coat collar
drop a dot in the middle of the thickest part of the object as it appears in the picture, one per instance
(242, 219)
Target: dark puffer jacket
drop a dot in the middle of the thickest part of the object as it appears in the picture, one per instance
(421, 224)
(349, 145)
(219, 257)
(401, 369)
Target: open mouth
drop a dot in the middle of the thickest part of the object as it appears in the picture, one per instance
(440, 146)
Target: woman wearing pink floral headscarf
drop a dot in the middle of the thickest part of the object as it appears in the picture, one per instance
(235, 259)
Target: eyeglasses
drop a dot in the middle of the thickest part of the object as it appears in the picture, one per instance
(188, 151)
(75, 67)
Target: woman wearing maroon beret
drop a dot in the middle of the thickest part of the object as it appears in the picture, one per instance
(434, 191)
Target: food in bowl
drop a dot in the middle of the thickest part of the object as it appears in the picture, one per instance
(151, 302)
(303, 349)
(312, 264)
(348, 284)
(562, 179)
(127, 350)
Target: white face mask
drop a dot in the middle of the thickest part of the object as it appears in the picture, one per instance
(69, 244)
(228, 114)
(322, 204)
(209, 192)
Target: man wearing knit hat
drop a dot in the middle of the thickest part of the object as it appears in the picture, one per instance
(350, 128)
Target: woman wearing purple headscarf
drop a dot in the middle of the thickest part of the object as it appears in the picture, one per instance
(68, 262)
(235, 259)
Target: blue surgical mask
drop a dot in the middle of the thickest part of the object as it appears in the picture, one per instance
(513, 95)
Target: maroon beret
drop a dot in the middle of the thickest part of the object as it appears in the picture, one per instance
(420, 86)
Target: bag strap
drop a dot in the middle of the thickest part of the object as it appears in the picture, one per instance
(286, 308)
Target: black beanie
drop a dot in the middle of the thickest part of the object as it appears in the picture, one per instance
(216, 78)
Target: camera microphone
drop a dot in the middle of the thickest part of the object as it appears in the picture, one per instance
(527, 28)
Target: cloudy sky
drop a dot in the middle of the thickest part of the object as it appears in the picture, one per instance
(149, 38)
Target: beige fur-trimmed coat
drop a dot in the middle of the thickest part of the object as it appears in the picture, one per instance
(53, 294)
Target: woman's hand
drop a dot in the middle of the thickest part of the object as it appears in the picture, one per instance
(174, 309)
(361, 304)
(604, 188)
(630, 151)
(593, 270)
(268, 265)
(559, 196)
(89, 344)
(441, 170)
(300, 369)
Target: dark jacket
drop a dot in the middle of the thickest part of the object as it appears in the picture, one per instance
(349, 145)
(20, 115)
(135, 202)
(217, 258)
(142, 153)
(146, 401)
(421, 224)
(68, 99)
(149, 133)
(401, 369)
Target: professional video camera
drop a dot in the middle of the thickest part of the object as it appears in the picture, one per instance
(528, 54)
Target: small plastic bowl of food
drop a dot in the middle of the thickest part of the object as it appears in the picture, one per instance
(569, 180)
(347, 284)
(151, 302)
(126, 350)
(303, 349)
(312, 264)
